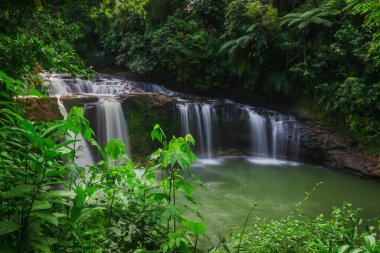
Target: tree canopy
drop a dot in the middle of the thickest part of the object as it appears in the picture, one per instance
(244, 49)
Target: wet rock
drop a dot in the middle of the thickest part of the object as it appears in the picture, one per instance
(321, 145)
(146, 99)
(142, 111)
(78, 100)
(41, 109)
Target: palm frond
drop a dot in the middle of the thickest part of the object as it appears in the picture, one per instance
(292, 15)
(243, 41)
(295, 21)
(321, 21)
(311, 13)
(227, 45)
(304, 24)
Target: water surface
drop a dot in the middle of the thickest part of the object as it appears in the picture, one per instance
(233, 185)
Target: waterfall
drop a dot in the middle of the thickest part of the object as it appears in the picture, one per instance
(198, 122)
(258, 131)
(105, 86)
(84, 156)
(271, 135)
(279, 137)
(284, 135)
(207, 111)
(196, 119)
(111, 123)
(184, 115)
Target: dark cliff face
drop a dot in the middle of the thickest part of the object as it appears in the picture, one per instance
(320, 145)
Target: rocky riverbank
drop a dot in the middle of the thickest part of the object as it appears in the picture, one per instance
(321, 145)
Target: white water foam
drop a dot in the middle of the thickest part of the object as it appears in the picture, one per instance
(208, 161)
(271, 161)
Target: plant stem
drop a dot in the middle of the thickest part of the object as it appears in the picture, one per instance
(195, 245)
(34, 197)
(175, 220)
(111, 211)
(245, 225)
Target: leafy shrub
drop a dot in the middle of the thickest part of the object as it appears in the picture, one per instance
(31, 38)
(343, 231)
(51, 204)
(354, 103)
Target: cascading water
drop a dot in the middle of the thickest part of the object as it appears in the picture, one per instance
(184, 114)
(110, 119)
(196, 119)
(207, 112)
(61, 85)
(198, 122)
(258, 131)
(283, 134)
(84, 156)
(271, 135)
(111, 123)
(279, 137)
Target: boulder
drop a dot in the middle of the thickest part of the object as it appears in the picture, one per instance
(41, 109)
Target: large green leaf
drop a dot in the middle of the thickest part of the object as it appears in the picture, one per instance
(198, 228)
(7, 227)
(188, 188)
(59, 194)
(170, 212)
(370, 240)
(78, 124)
(18, 191)
(343, 248)
(41, 245)
(174, 156)
(41, 205)
(158, 134)
(46, 216)
(115, 149)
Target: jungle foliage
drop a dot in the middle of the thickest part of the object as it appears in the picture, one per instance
(327, 50)
(49, 203)
(343, 231)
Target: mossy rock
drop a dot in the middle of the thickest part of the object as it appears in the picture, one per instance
(78, 100)
(41, 109)
(142, 111)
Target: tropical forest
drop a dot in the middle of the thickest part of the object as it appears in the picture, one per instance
(218, 126)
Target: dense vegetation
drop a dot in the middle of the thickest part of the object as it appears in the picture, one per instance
(343, 232)
(328, 50)
(325, 50)
(51, 204)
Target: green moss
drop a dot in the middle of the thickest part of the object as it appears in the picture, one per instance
(142, 112)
